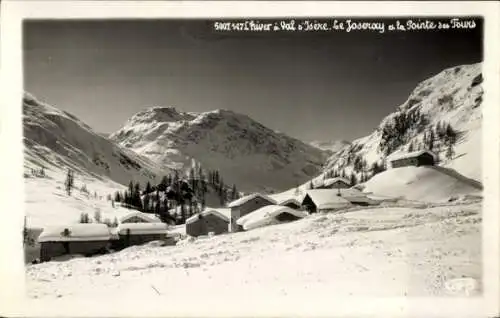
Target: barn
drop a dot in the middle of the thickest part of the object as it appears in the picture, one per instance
(74, 239)
(128, 234)
(415, 158)
(214, 221)
(335, 183)
(320, 200)
(245, 205)
(139, 217)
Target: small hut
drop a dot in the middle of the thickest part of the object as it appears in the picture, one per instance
(128, 234)
(335, 183)
(214, 221)
(415, 158)
(324, 200)
(74, 239)
(269, 215)
(245, 205)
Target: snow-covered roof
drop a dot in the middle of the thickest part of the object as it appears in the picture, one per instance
(350, 192)
(330, 181)
(327, 198)
(289, 200)
(295, 193)
(217, 212)
(359, 199)
(75, 232)
(413, 154)
(150, 218)
(265, 215)
(142, 228)
(247, 198)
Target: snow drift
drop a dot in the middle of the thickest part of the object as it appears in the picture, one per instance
(425, 183)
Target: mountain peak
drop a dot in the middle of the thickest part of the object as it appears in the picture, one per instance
(246, 152)
(330, 146)
(160, 114)
(452, 97)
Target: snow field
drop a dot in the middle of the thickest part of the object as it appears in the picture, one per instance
(391, 252)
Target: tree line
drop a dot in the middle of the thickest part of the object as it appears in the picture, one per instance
(176, 198)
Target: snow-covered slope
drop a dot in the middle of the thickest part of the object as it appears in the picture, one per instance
(47, 203)
(330, 146)
(245, 152)
(55, 139)
(381, 252)
(454, 96)
(429, 184)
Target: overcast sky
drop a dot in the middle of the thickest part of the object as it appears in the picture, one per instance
(312, 86)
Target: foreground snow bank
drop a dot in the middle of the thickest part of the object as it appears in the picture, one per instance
(385, 252)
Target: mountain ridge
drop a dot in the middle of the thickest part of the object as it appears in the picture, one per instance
(59, 140)
(248, 153)
(451, 97)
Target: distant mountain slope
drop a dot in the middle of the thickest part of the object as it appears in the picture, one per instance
(330, 146)
(452, 97)
(57, 139)
(245, 152)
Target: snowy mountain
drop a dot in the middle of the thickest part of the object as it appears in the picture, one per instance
(451, 98)
(57, 140)
(245, 152)
(330, 146)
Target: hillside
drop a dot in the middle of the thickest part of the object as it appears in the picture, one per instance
(428, 184)
(245, 152)
(451, 98)
(56, 140)
(330, 146)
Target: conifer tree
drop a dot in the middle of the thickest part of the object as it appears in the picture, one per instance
(115, 222)
(411, 147)
(157, 202)
(353, 179)
(148, 188)
(25, 233)
(146, 203)
(136, 197)
(451, 135)
(234, 193)
(69, 183)
(450, 152)
(343, 174)
(98, 216)
(430, 142)
(191, 178)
